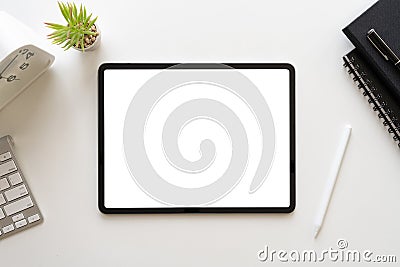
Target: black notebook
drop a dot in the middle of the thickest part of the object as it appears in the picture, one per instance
(374, 89)
(378, 79)
(384, 17)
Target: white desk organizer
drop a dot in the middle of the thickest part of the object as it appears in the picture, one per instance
(23, 58)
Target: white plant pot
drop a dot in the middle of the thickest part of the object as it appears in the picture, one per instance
(96, 43)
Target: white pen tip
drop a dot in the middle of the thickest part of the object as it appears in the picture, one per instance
(316, 231)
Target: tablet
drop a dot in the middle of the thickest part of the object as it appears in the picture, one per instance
(196, 138)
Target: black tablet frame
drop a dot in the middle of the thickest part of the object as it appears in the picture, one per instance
(103, 209)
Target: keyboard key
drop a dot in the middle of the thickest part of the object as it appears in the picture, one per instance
(15, 178)
(18, 206)
(5, 156)
(8, 228)
(4, 184)
(16, 192)
(1, 214)
(7, 167)
(18, 217)
(33, 218)
(20, 223)
(2, 200)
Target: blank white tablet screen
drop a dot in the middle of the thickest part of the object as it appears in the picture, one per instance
(206, 161)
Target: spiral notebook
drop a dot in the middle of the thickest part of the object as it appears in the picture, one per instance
(378, 79)
(383, 16)
(372, 87)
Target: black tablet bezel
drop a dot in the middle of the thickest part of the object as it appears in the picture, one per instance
(103, 209)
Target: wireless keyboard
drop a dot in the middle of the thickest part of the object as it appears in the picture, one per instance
(18, 208)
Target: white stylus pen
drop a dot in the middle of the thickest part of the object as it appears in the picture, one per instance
(332, 179)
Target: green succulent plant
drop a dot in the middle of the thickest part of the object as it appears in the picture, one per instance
(80, 30)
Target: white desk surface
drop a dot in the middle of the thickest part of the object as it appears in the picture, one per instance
(54, 124)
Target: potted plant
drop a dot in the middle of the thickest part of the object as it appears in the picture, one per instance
(81, 32)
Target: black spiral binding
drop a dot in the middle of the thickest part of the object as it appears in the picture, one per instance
(389, 119)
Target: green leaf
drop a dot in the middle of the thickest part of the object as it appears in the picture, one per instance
(80, 13)
(89, 33)
(55, 28)
(58, 34)
(87, 19)
(53, 24)
(66, 45)
(75, 12)
(77, 39)
(92, 22)
(58, 41)
(70, 11)
(63, 11)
